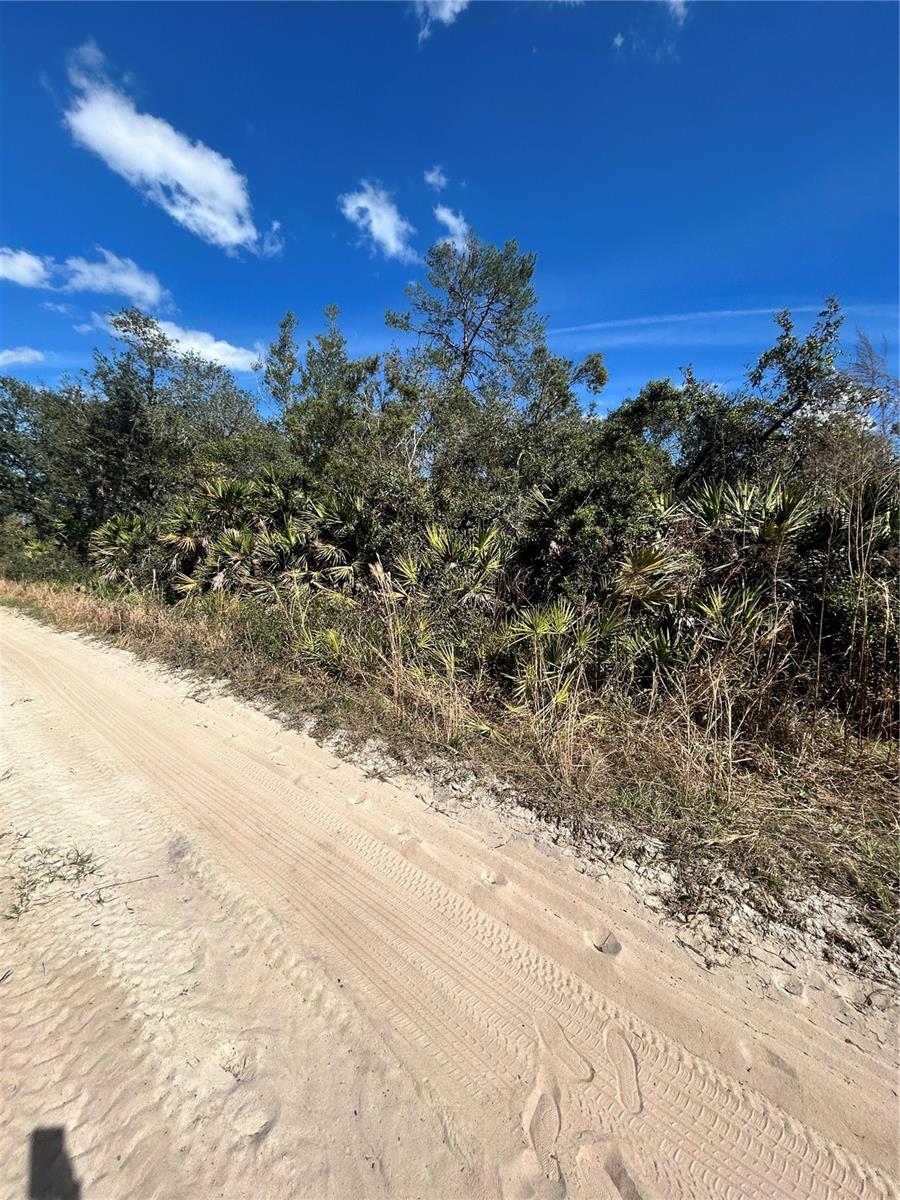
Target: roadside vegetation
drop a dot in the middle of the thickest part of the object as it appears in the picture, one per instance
(678, 616)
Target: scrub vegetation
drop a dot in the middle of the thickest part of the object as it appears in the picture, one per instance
(678, 616)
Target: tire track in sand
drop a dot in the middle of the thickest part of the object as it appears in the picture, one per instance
(440, 980)
(132, 1033)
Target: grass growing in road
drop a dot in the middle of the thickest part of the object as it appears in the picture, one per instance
(40, 873)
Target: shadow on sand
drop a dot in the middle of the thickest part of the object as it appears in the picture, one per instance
(50, 1175)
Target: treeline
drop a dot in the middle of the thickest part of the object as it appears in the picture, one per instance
(458, 523)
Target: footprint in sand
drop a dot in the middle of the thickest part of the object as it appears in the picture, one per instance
(756, 1055)
(253, 1116)
(238, 1059)
(542, 1124)
(603, 1174)
(562, 1050)
(625, 1064)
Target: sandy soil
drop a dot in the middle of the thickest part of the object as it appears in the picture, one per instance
(301, 981)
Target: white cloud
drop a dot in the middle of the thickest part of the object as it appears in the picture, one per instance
(435, 178)
(64, 310)
(114, 276)
(440, 12)
(20, 356)
(678, 9)
(196, 341)
(455, 224)
(618, 41)
(109, 275)
(236, 358)
(372, 210)
(198, 187)
(18, 266)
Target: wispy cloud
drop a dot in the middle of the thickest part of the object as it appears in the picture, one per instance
(199, 188)
(435, 178)
(97, 321)
(437, 12)
(18, 266)
(640, 45)
(372, 211)
(714, 327)
(721, 314)
(653, 40)
(109, 275)
(20, 356)
(455, 224)
(445, 12)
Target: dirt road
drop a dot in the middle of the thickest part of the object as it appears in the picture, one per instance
(299, 981)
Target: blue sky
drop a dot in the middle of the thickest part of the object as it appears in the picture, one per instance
(681, 169)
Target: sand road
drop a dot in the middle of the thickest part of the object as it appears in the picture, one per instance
(306, 982)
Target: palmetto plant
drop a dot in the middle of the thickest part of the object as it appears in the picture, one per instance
(185, 530)
(707, 505)
(552, 645)
(462, 567)
(735, 617)
(231, 562)
(654, 650)
(782, 514)
(118, 545)
(347, 519)
(229, 503)
(276, 499)
(280, 550)
(716, 590)
(742, 501)
(666, 509)
(263, 535)
(750, 512)
(652, 575)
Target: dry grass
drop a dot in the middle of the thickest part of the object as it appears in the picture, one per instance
(787, 822)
